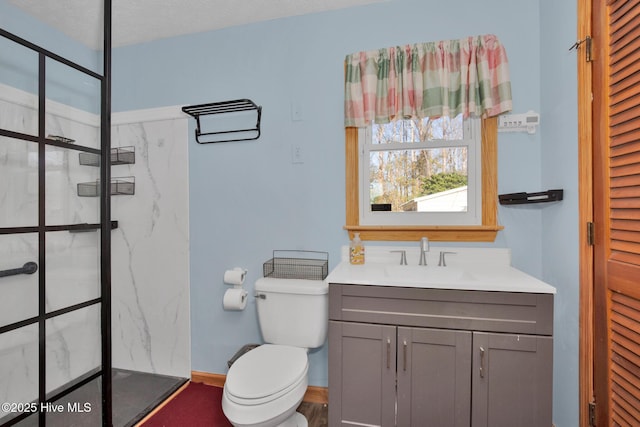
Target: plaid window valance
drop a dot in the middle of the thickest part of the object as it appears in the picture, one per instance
(445, 78)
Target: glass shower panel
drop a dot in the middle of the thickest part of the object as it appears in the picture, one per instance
(19, 292)
(18, 371)
(18, 183)
(73, 268)
(73, 347)
(72, 105)
(18, 88)
(67, 181)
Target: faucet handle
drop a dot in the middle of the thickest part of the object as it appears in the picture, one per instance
(442, 262)
(403, 257)
(424, 248)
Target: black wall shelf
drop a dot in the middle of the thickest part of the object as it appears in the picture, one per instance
(529, 198)
(225, 107)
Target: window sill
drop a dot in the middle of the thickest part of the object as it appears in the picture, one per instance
(467, 233)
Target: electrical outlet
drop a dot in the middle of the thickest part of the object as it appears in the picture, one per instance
(297, 154)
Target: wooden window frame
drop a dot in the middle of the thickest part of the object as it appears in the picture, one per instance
(486, 232)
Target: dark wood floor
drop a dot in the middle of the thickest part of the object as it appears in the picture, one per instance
(317, 414)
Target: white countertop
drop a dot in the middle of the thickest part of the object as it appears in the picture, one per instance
(479, 269)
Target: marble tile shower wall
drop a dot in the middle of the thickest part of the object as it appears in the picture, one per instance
(149, 253)
(150, 256)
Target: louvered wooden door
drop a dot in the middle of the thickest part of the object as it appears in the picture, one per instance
(616, 120)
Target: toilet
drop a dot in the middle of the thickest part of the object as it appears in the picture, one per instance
(264, 386)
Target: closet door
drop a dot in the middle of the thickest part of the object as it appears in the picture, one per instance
(616, 121)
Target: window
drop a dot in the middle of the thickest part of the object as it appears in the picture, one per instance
(421, 172)
(483, 228)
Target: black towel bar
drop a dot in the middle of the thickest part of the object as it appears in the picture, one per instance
(28, 268)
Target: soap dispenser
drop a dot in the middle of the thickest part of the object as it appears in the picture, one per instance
(356, 250)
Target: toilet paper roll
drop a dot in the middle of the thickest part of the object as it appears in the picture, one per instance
(235, 299)
(235, 276)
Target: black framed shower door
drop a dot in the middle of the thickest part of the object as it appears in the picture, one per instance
(55, 244)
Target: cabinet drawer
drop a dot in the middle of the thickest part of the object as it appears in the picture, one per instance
(514, 312)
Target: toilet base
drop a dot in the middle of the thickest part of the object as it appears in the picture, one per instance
(295, 420)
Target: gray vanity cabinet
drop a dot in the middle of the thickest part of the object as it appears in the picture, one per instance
(445, 358)
(430, 368)
(434, 381)
(512, 380)
(365, 379)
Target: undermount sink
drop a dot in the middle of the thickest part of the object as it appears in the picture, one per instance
(427, 274)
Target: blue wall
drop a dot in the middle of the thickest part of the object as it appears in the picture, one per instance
(247, 198)
(19, 66)
(560, 250)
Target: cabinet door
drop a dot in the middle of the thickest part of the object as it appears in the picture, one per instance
(434, 377)
(512, 380)
(362, 374)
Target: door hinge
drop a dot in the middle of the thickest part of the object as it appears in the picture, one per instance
(587, 48)
(592, 414)
(587, 41)
(591, 233)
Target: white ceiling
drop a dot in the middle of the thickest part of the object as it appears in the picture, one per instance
(138, 21)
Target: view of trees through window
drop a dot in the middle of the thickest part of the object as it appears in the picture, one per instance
(407, 174)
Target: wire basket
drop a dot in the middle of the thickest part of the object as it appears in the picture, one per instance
(310, 265)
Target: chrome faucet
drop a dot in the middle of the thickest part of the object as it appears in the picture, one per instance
(424, 248)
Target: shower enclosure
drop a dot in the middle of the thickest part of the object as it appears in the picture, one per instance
(55, 245)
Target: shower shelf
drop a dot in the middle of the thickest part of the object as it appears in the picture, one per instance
(60, 138)
(528, 198)
(119, 156)
(225, 107)
(119, 186)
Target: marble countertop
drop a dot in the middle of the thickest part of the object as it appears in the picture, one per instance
(480, 269)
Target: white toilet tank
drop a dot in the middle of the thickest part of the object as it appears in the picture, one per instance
(293, 311)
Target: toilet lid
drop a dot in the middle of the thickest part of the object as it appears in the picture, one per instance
(266, 370)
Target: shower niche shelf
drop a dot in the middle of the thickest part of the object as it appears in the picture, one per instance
(119, 156)
(122, 186)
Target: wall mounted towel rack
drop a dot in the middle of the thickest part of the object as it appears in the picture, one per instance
(527, 198)
(28, 268)
(225, 107)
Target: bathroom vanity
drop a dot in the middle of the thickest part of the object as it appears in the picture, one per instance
(470, 344)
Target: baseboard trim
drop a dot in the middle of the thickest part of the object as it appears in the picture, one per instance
(314, 394)
(208, 378)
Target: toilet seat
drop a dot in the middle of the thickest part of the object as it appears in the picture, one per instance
(265, 374)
